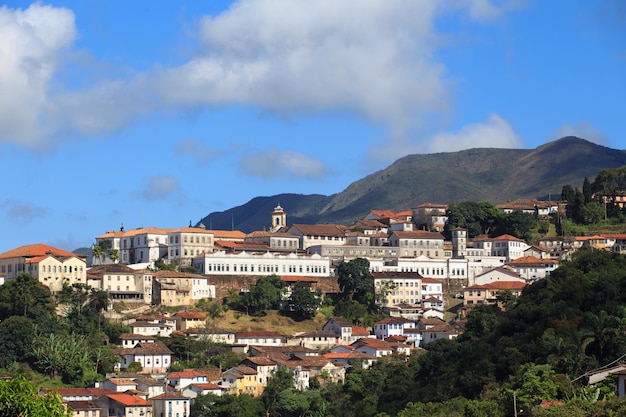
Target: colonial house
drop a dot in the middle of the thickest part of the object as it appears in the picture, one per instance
(431, 288)
(152, 328)
(213, 335)
(240, 380)
(488, 293)
(266, 338)
(262, 264)
(274, 241)
(342, 329)
(370, 227)
(189, 319)
(507, 246)
(142, 245)
(430, 216)
(119, 384)
(531, 268)
(193, 390)
(151, 386)
(51, 266)
(123, 283)
(173, 288)
(170, 404)
(264, 368)
(86, 408)
(122, 404)
(418, 242)
(440, 331)
(495, 275)
(373, 347)
(186, 243)
(310, 235)
(538, 208)
(180, 380)
(316, 339)
(348, 359)
(393, 288)
(392, 326)
(153, 357)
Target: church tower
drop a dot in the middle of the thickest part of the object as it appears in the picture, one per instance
(279, 218)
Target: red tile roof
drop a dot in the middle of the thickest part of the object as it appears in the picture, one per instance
(130, 400)
(39, 249)
(499, 285)
(191, 315)
(320, 229)
(187, 373)
(418, 234)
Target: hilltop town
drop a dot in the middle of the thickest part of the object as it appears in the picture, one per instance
(164, 284)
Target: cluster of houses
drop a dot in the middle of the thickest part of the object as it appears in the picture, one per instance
(408, 256)
(413, 266)
(323, 355)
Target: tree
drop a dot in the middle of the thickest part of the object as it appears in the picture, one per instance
(264, 295)
(97, 253)
(587, 191)
(114, 255)
(304, 302)
(65, 356)
(355, 279)
(17, 334)
(568, 193)
(99, 301)
(19, 398)
(242, 405)
(27, 297)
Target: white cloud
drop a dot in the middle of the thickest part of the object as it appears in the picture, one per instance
(276, 164)
(201, 153)
(32, 40)
(494, 133)
(160, 187)
(372, 57)
(582, 130)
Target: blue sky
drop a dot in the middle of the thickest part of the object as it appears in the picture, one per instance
(149, 113)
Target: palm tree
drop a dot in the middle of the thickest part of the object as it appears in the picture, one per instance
(98, 253)
(114, 255)
(99, 301)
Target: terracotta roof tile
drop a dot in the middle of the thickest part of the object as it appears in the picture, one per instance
(39, 249)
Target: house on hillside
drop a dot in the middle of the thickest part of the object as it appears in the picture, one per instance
(51, 266)
(153, 357)
(531, 268)
(418, 242)
(495, 275)
(488, 293)
(310, 235)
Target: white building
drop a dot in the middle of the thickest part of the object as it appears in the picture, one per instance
(506, 246)
(260, 264)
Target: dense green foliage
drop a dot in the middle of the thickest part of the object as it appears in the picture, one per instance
(485, 218)
(19, 398)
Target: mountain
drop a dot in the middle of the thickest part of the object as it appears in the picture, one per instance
(482, 174)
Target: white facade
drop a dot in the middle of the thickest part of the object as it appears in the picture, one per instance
(261, 264)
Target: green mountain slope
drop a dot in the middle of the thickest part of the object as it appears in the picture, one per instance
(484, 174)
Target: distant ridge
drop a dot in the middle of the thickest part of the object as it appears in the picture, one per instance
(481, 174)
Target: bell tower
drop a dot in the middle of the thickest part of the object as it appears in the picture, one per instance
(279, 218)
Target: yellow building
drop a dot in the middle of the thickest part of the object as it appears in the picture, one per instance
(51, 266)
